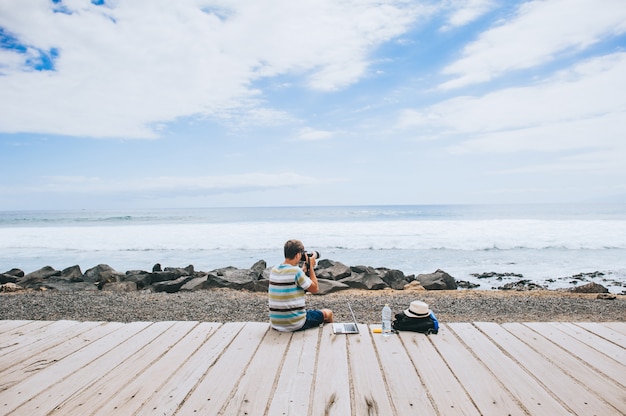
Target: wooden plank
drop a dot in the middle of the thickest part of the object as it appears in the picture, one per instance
(559, 372)
(332, 390)
(291, 396)
(583, 352)
(214, 390)
(402, 381)
(37, 342)
(488, 393)
(370, 390)
(522, 386)
(74, 368)
(615, 352)
(448, 395)
(608, 332)
(122, 380)
(19, 328)
(252, 394)
(16, 338)
(92, 371)
(167, 398)
(617, 326)
(32, 361)
(30, 387)
(9, 325)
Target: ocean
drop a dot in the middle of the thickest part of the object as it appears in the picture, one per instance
(546, 244)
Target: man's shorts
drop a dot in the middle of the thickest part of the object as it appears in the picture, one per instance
(314, 317)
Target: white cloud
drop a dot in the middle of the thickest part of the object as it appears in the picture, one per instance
(309, 134)
(467, 11)
(580, 109)
(537, 34)
(591, 89)
(590, 133)
(167, 184)
(123, 69)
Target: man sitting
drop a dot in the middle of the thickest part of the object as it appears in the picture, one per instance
(286, 292)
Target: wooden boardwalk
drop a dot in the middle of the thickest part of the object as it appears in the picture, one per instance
(192, 368)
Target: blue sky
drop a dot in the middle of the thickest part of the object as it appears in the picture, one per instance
(153, 103)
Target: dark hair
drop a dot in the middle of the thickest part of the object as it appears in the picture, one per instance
(292, 248)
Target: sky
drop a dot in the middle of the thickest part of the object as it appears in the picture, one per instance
(133, 104)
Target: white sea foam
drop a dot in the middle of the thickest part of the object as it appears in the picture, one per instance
(378, 235)
(539, 248)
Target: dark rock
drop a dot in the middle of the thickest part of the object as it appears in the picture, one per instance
(180, 271)
(102, 274)
(232, 278)
(165, 275)
(157, 268)
(360, 269)
(498, 276)
(332, 270)
(466, 285)
(15, 272)
(266, 273)
(329, 286)
(72, 273)
(196, 283)
(43, 273)
(140, 277)
(364, 277)
(126, 286)
(259, 268)
(586, 276)
(395, 279)
(589, 288)
(38, 278)
(522, 285)
(171, 286)
(439, 280)
(261, 285)
(7, 278)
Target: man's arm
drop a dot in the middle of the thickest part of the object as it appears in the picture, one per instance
(314, 288)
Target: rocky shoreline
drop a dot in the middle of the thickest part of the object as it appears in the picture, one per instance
(230, 294)
(333, 276)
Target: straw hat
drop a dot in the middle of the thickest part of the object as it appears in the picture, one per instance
(417, 309)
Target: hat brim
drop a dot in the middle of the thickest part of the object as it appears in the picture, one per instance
(414, 315)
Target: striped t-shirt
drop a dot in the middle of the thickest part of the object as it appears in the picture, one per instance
(286, 297)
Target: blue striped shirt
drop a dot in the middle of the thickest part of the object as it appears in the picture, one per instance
(286, 297)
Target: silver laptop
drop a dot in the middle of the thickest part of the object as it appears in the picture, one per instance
(346, 327)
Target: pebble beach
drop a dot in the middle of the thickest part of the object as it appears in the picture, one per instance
(227, 305)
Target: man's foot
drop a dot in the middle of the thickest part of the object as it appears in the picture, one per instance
(328, 315)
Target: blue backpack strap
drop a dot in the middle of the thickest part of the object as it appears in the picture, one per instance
(435, 321)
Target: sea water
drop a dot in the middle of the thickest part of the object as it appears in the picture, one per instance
(546, 244)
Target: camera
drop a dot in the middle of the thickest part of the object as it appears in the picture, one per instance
(313, 255)
(304, 261)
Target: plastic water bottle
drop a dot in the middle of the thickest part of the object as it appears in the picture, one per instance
(386, 321)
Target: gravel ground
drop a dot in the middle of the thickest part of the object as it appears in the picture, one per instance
(225, 305)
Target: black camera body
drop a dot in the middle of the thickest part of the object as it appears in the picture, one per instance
(313, 254)
(304, 260)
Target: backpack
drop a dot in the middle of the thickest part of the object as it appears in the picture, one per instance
(427, 325)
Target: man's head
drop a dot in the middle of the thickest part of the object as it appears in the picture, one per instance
(292, 248)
